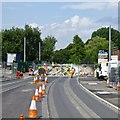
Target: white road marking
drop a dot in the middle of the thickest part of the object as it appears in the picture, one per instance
(9, 89)
(104, 92)
(27, 90)
(92, 83)
(108, 104)
(12, 82)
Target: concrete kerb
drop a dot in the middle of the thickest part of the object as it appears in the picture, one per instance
(47, 111)
(108, 104)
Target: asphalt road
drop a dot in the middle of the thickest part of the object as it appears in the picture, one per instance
(16, 97)
(65, 100)
(68, 100)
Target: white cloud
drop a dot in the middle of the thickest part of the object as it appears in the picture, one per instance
(34, 25)
(65, 31)
(60, 0)
(92, 5)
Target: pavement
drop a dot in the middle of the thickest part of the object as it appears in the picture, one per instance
(97, 87)
(13, 77)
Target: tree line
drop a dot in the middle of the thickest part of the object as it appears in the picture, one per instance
(76, 52)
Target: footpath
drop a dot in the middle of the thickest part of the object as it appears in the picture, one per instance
(7, 75)
(98, 88)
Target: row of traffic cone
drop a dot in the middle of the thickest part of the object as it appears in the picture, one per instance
(109, 86)
(39, 93)
(38, 79)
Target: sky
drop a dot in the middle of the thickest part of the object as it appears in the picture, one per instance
(63, 20)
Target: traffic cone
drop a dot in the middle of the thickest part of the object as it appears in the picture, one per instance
(118, 85)
(40, 92)
(46, 79)
(32, 113)
(34, 80)
(108, 83)
(36, 94)
(41, 83)
(43, 89)
(21, 117)
(40, 79)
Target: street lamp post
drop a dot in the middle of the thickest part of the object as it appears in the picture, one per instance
(39, 51)
(109, 59)
(24, 49)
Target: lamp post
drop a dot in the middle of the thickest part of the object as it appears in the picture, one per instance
(39, 51)
(24, 49)
(109, 59)
(78, 70)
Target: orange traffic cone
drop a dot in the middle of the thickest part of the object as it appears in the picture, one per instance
(43, 89)
(34, 80)
(108, 83)
(46, 79)
(118, 85)
(40, 92)
(21, 117)
(36, 94)
(40, 79)
(33, 110)
(41, 83)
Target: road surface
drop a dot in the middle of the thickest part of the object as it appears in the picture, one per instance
(66, 99)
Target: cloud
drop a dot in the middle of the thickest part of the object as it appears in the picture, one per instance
(60, 0)
(65, 31)
(92, 5)
(34, 25)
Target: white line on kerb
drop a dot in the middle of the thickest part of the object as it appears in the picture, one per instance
(110, 104)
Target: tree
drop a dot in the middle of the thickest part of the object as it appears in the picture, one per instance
(94, 45)
(48, 48)
(32, 42)
(13, 41)
(61, 56)
(77, 51)
(104, 33)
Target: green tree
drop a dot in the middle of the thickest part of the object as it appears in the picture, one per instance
(61, 56)
(48, 48)
(32, 42)
(12, 42)
(104, 33)
(94, 45)
(77, 50)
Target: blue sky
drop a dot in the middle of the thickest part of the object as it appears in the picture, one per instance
(61, 19)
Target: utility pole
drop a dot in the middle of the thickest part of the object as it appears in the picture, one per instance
(109, 42)
(109, 71)
(39, 51)
(24, 49)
